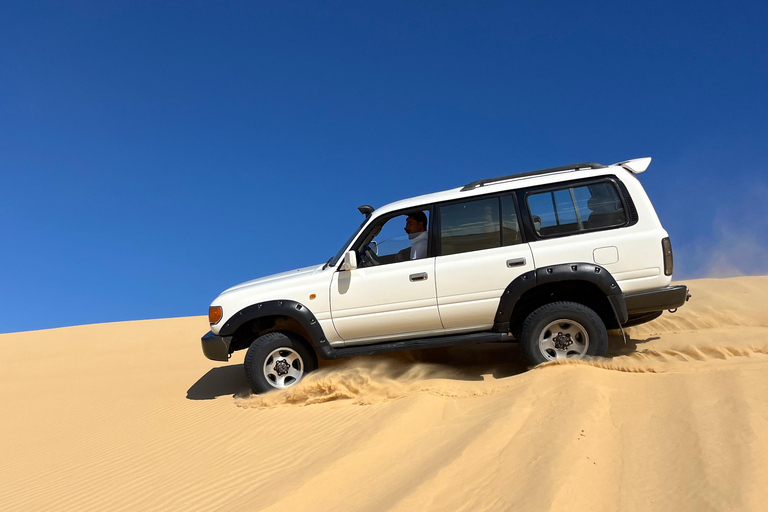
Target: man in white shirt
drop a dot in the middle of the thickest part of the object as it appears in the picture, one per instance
(416, 227)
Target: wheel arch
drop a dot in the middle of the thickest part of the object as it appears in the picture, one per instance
(584, 283)
(270, 316)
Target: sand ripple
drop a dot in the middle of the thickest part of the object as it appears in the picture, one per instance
(131, 416)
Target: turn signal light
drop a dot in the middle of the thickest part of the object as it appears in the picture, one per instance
(214, 314)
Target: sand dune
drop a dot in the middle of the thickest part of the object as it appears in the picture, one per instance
(132, 416)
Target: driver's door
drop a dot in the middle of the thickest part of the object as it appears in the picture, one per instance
(388, 296)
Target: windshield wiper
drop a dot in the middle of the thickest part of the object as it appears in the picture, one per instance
(327, 263)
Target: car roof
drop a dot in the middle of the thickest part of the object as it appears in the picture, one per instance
(509, 182)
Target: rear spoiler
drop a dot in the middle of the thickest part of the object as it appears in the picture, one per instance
(637, 165)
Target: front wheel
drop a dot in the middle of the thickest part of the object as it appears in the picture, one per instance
(563, 330)
(277, 360)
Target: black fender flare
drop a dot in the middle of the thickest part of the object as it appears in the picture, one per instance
(289, 308)
(588, 272)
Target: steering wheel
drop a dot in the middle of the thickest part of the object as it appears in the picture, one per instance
(370, 258)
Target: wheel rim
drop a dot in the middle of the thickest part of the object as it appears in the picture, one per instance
(283, 368)
(563, 339)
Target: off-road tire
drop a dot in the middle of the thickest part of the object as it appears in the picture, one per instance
(266, 345)
(571, 317)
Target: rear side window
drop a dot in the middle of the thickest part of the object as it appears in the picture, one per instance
(470, 226)
(576, 209)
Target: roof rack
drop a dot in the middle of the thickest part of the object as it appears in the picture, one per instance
(573, 167)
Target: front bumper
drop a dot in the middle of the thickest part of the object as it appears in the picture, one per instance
(671, 297)
(216, 347)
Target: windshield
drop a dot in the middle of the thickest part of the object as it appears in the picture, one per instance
(332, 261)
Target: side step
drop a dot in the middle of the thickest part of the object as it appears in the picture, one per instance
(328, 352)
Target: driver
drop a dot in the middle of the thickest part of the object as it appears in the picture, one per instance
(416, 227)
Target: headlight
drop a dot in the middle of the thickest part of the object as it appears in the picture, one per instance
(214, 314)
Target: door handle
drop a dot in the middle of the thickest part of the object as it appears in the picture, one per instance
(516, 262)
(421, 276)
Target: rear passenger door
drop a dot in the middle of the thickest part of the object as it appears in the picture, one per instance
(481, 250)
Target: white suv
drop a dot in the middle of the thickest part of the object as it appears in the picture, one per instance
(551, 259)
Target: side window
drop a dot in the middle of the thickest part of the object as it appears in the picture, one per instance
(601, 206)
(400, 238)
(510, 228)
(553, 213)
(470, 226)
(576, 209)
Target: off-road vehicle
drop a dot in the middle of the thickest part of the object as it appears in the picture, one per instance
(551, 259)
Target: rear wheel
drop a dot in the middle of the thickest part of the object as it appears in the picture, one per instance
(563, 330)
(277, 360)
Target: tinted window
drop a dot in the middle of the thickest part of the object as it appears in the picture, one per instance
(510, 229)
(603, 206)
(576, 209)
(553, 213)
(470, 226)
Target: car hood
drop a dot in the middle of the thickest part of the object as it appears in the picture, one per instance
(282, 276)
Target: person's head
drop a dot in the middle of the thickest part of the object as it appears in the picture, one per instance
(416, 223)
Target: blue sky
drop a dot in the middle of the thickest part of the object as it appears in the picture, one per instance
(154, 154)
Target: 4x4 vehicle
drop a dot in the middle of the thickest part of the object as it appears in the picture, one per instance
(551, 259)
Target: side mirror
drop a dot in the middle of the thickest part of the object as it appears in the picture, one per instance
(350, 261)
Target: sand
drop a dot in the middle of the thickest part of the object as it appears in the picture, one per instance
(133, 416)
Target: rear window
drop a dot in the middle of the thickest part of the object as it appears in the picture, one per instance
(573, 210)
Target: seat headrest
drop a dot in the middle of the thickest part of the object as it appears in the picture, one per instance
(599, 204)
